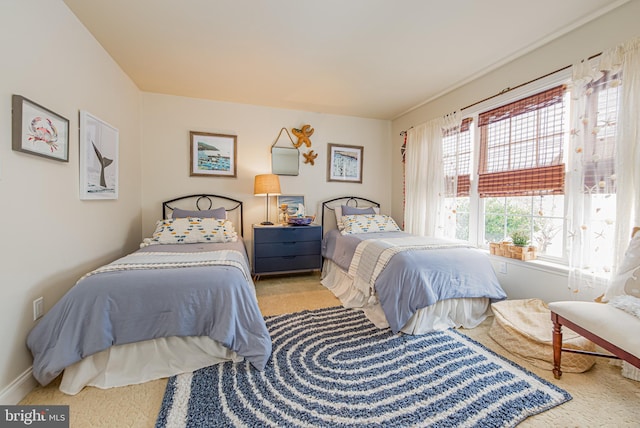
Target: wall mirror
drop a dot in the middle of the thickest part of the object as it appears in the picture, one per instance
(285, 161)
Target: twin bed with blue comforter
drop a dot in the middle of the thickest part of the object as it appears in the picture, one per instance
(408, 283)
(184, 301)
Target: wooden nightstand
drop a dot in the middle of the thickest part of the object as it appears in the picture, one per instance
(284, 249)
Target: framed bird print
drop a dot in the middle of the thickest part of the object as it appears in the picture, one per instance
(39, 131)
(98, 158)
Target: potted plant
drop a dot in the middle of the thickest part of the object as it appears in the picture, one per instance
(520, 249)
(520, 238)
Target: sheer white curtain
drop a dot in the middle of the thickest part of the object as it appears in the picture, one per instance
(628, 143)
(424, 177)
(603, 159)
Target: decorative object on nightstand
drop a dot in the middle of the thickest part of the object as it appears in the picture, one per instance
(266, 185)
(285, 249)
(283, 216)
(301, 221)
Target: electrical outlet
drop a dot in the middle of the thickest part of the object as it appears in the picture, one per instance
(502, 267)
(38, 308)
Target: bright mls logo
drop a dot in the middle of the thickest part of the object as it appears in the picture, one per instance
(34, 416)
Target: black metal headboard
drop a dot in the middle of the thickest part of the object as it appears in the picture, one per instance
(205, 201)
(354, 201)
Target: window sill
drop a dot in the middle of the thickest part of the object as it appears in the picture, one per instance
(537, 264)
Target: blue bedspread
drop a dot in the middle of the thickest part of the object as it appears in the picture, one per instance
(415, 279)
(126, 306)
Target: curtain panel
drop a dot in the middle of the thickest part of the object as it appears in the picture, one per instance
(603, 159)
(424, 177)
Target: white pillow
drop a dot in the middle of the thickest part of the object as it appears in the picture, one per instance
(626, 281)
(627, 303)
(338, 211)
(368, 223)
(191, 230)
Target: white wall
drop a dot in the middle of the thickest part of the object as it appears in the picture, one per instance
(49, 237)
(167, 121)
(615, 27)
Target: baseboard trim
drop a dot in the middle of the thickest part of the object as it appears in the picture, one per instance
(19, 388)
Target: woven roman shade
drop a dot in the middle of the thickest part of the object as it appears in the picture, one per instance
(521, 147)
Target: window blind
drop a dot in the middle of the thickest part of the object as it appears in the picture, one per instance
(521, 147)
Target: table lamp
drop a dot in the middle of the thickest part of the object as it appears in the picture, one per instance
(266, 185)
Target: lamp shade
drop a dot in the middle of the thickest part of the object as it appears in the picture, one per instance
(266, 184)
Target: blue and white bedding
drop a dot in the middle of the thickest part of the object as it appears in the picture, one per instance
(407, 273)
(174, 290)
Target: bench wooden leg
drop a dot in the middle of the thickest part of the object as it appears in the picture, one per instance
(557, 346)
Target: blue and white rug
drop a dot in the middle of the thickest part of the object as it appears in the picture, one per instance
(332, 367)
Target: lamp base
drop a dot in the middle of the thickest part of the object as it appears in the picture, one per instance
(266, 223)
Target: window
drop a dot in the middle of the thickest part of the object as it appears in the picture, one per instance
(521, 171)
(457, 158)
(542, 217)
(592, 189)
(524, 154)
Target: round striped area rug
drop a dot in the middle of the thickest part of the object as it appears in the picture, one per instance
(332, 367)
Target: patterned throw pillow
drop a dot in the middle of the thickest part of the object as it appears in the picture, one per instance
(352, 211)
(368, 223)
(191, 230)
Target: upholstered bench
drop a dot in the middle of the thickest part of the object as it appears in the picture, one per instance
(607, 326)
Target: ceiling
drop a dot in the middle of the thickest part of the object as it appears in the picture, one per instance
(367, 58)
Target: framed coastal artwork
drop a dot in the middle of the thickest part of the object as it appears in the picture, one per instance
(292, 203)
(39, 131)
(344, 163)
(98, 158)
(213, 155)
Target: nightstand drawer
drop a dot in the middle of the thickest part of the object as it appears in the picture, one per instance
(287, 234)
(288, 263)
(277, 249)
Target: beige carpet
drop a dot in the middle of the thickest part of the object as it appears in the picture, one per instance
(601, 396)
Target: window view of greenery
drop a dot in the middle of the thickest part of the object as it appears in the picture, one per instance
(541, 217)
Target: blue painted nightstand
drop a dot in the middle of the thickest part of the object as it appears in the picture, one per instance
(284, 249)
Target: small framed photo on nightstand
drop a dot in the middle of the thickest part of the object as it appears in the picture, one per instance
(290, 206)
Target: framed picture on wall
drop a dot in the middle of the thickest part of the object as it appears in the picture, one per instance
(98, 158)
(213, 155)
(39, 131)
(344, 163)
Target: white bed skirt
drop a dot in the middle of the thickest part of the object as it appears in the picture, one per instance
(141, 362)
(462, 312)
